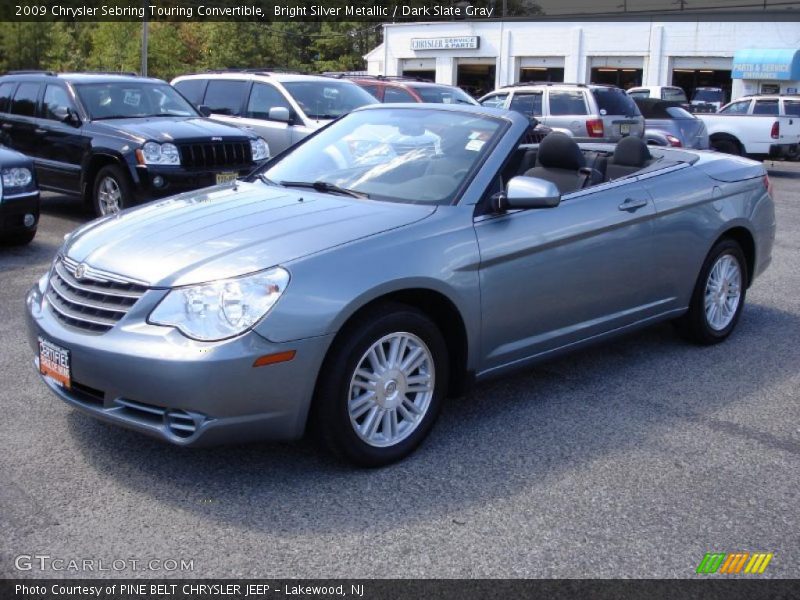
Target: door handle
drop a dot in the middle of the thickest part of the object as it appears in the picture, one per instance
(632, 204)
(40, 130)
(7, 125)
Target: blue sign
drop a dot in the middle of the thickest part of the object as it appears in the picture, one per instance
(778, 64)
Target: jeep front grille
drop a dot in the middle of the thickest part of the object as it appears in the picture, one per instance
(94, 302)
(207, 155)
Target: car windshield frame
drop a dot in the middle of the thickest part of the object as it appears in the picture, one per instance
(270, 174)
(293, 89)
(116, 105)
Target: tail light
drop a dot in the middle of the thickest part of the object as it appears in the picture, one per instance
(768, 184)
(595, 128)
(673, 141)
(776, 130)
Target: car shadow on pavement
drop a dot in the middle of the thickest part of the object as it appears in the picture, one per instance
(504, 438)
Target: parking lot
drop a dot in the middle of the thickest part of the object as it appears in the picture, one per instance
(631, 459)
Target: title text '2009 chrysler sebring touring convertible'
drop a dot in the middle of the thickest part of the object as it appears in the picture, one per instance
(381, 264)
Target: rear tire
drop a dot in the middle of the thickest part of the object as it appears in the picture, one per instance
(718, 297)
(727, 147)
(381, 388)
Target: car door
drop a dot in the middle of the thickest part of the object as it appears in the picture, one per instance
(21, 122)
(262, 98)
(553, 277)
(225, 99)
(63, 143)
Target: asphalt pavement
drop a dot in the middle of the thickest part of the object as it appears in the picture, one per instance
(630, 459)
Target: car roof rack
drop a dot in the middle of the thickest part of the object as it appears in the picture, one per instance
(350, 75)
(547, 83)
(126, 73)
(265, 71)
(31, 72)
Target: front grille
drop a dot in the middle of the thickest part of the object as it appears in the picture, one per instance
(95, 302)
(207, 155)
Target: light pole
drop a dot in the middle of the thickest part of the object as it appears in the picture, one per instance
(145, 34)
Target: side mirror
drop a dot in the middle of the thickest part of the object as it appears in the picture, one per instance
(204, 110)
(66, 115)
(527, 192)
(279, 113)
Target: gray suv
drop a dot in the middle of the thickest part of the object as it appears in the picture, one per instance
(587, 112)
(282, 108)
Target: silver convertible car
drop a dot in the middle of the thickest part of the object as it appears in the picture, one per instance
(385, 262)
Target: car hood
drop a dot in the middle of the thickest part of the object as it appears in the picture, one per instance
(169, 129)
(224, 232)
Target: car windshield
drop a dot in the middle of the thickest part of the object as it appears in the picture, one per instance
(708, 95)
(328, 100)
(615, 102)
(125, 100)
(415, 156)
(444, 95)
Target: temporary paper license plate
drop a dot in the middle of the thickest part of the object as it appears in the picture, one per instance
(625, 129)
(54, 363)
(226, 177)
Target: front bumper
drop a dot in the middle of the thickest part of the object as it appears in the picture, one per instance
(175, 179)
(154, 380)
(13, 209)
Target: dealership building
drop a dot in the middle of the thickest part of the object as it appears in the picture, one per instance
(740, 57)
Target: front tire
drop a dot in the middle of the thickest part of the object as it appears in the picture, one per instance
(111, 192)
(718, 297)
(381, 387)
(21, 239)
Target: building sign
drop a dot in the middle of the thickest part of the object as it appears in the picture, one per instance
(780, 64)
(463, 42)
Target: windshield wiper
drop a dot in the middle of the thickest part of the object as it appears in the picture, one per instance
(324, 187)
(264, 179)
(105, 117)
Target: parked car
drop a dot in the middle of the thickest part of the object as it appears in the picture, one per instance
(19, 198)
(587, 112)
(756, 136)
(670, 124)
(707, 99)
(401, 89)
(485, 256)
(118, 140)
(283, 108)
(672, 93)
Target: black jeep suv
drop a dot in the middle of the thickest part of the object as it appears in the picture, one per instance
(117, 140)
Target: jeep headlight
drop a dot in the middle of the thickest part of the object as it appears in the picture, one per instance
(17, 177)
(259, 149)
(153, 153)
(221, 309)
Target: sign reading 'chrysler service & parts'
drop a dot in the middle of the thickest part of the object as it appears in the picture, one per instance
(462, 42)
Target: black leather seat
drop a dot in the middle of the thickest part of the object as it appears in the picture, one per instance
(630, 155)
(561, 161)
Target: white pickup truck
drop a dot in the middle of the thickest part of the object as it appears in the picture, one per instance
(755, 136)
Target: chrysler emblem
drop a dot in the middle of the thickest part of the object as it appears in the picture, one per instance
(80, 271)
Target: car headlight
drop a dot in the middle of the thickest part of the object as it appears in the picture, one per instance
(153, 153)
(17, 177)
(259, 149)
(221, 309)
